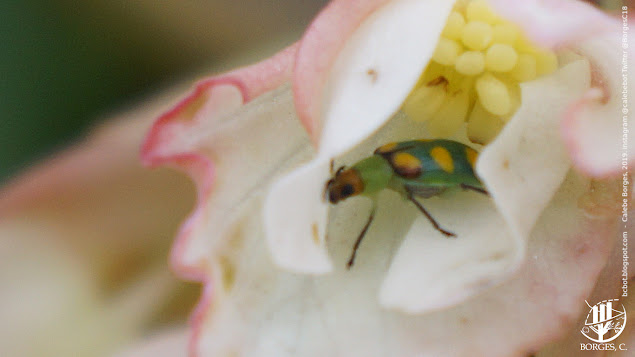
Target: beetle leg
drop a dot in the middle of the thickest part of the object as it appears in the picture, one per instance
(479, 190)
(325, 190)
(351, 260)
(429, 216)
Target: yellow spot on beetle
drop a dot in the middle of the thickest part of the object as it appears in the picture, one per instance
(443, 158)
(406, 165)
(472, 155)
(386, 148)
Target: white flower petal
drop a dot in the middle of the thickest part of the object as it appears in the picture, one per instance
(376, 70)
(248, 150)
(431, 271)
(295, 209)
(212, 124)
(527, 162)
(272, 312)
(555, 23)
(372, 76)
(522, 169)
(595, 126)
(169, 343)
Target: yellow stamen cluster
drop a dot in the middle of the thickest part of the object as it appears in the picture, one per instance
(475, 72)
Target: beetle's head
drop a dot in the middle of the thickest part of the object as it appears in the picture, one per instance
(344, 184)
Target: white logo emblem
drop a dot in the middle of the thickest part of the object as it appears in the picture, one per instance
(603, 322)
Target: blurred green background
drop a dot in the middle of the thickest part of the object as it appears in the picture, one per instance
(66, 63)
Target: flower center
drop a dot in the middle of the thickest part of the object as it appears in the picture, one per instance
(474, 74)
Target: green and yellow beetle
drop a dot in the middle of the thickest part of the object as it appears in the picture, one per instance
(415, 169)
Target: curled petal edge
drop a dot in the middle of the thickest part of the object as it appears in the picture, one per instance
(522, 168)
(169, 143)
(595, 125)
(371, 75)
(318, 50)
(587, 128)
(556, 23)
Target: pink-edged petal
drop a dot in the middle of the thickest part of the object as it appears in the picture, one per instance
(608, 286)
(231, 135)
(370, 74)
(593, 124)
(522, 169)
(319, 49)
(527, 162)
(596, 126)
(249, 148)
(376, 70)
(174, 133)
(75, 232)
(268, 311)
(110, 150)
(295, 217)
(98, 198)
(369, 80)
(179, 137)
(556, 23)
(171, 343)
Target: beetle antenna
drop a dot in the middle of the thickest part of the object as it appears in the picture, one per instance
(332, 166)
(351, 260)
(473, 188)
(429, 216)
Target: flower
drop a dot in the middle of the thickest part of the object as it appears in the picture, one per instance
(83, 242)
(524, 260)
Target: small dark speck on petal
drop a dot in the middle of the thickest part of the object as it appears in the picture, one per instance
(438, 81)
(316, 235)
(372, 74)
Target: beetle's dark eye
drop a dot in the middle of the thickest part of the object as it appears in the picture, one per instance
(347, 190)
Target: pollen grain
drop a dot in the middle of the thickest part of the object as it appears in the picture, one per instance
(484, 57)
